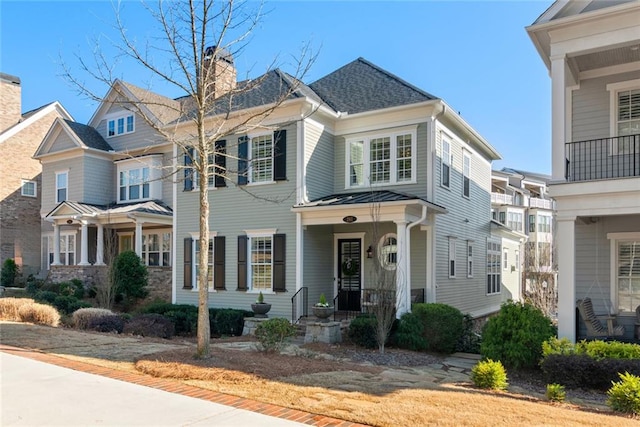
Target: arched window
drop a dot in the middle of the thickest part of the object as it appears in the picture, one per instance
(388, 251)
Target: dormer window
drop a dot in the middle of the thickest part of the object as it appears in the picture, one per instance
(120, 125)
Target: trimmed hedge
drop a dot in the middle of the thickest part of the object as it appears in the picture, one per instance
(582, 371)
(431, 327)
(84, 316)
(150, 325)
(108, 323)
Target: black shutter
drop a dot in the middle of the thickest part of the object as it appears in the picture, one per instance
(280, 155)
(242, 263)
(243, 153)
(188, 170)
(188, 266)
(218, 262)
(220, 164)
(278, 260)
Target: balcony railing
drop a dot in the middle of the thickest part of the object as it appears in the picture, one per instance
(501, 199)
(605, 158)
(535, 202)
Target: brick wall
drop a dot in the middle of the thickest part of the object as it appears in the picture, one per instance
(11, 106)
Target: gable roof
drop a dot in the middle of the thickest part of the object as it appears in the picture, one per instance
(32, 116)
(83, 136)
(88, 135)
(362, 86)
(151, 207)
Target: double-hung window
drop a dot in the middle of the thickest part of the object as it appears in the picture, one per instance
(29, 188)
(625, 115)
(261, 155)
(493, 266)
(134, 184)
(514, 221)
(196, 264)
(469, 259)
(381, 159)
(120, 125)
(62, 179)
(452, 257)
(446, 163)
(261, 261)
(627, 273)
(466, 174)
(544, 224)
(260, 257)
(156, 248)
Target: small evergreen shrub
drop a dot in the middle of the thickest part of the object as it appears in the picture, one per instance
(410, 333)
(73, 288)
(10, 306)
(362, 331)
(183, 316)
(515, 335)
(273, 334)
(110, 323)
(84, 316)
(33, 285)
(558, 346)
(45, 296)
(41, 314)
(9, 272)
(227, 321)
(69, 304)
(443, 326)
(555, 392)
(149, 325)
(130, 276)
(624, 395)
(490, 375)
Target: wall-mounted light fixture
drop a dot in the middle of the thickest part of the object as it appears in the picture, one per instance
(369, 252)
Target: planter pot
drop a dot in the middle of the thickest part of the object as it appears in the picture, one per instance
(261, 310)
(323, 313)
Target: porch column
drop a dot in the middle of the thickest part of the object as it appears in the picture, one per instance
(100, 246)
(56, 244)
(84, 242)
(558, 101)
(403, 283)
(138, 244)
(566, 278)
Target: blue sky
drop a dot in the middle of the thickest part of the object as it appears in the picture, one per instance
(475, 55)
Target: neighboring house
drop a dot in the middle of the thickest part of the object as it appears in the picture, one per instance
(592, 50)
(520, 203)
(362, 164)
(104, 190)
(20, 185)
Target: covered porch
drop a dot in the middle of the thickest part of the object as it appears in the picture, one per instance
(357, 247)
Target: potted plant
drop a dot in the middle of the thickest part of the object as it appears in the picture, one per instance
(322, 310)
(260, 308)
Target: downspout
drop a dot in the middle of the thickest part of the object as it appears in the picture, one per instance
(408, 258)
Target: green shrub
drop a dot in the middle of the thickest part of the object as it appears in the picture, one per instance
(582, 371)
(68, 304)
(555, 392)
(410, 333)
(183, 316)
(443, 326)
(41, 314)
(489, 374)
(558, 346)
(9, 272)
(73, 288)
(84, 316)
(609, 349)
(273, 334)
(129, 275)
(362, 331)
(515, 335)
(470, 340)
(45, 296)
(624, 395)
(149, 325)
(109, 323)
(9, 308)
(227, 321)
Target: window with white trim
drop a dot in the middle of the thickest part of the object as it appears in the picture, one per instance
(261, 155)
(134, 184)
(29, 188)
(260, 259)
(388, 251)
(505, 258)
(120, 125)
(466, 174)
(494, 247)
(446, 163)
(532, 223)
(156, 248)
(514, 221)
(627, 274)
(625, 115)
(469, 258)
(452, 257)
(196, 264)
(62, 179)
(544, 224)
(67, 248)
(381, 159)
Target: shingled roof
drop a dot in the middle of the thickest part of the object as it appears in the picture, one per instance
(362, 86)
(88, 135)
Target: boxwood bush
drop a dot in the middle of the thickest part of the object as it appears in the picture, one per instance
(515, 335)
(362, 331)
(227, 321)
(149, 325)
(109, 323)
(432, 327)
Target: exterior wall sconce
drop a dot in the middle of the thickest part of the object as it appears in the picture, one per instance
(369, 252)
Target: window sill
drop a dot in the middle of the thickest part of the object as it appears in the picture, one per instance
(255, 184)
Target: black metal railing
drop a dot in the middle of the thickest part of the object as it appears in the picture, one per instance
(346, 305)
(300, 298)
(604, 158)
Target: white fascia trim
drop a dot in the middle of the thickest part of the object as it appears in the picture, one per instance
(624, 236)
(31, 120)
(390, 109)
(195, 235)
(260, 232)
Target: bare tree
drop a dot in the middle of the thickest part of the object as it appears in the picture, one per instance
(105, 286)
(539, 277)
(194, 51)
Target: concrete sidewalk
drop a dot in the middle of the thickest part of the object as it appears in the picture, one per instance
(34, 393)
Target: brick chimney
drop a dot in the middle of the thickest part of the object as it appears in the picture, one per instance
(222, 70)
(10, 101)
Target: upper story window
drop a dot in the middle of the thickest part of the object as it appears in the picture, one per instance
(140, 178)
(134, 184)
(544, 224)
(466, 174)
(628, 112)
(446, 163)
(29, 188)
(494, 247)
(120, 125)
(62, 179)
(381, 159)
(514, 221)
(261, 155)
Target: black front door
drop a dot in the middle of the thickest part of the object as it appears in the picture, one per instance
(349, 274)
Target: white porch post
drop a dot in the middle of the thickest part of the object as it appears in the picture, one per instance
(84, 241)
(566, 279)
(100, 246)
(138, 245)
(558, 101)
(403, 294)
(56, 244)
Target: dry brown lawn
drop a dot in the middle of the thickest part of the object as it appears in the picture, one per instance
(337, 388)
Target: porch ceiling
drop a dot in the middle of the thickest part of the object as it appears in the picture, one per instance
(606, 58)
